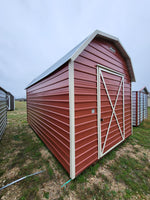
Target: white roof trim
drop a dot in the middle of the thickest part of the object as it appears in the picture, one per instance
(89, 39)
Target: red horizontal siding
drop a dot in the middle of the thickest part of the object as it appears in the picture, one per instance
(85, 80)
(48, 113)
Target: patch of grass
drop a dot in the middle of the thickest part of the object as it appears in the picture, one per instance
(109, 156)
(131, 172)
(30, 186)
(104, 177)
(16, 137)
(22, 198)
(28, 148)
(141, 136)
(2, 171)
(72, 186)
(18, 160)
(46, 195)
(98, 193)
(81, 178)
(60, 198)
(92, 169)
(128, 194)
(50, 172)
(30, 193)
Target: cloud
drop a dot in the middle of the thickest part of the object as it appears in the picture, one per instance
(35, 33)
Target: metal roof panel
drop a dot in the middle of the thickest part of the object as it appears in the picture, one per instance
(75, 52)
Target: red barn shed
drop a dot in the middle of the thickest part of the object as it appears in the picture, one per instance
(139, 106)
(81, 106)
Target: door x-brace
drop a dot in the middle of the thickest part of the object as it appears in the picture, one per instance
(100, 74)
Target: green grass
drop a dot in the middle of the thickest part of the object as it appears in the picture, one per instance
(50, 171)
(141, 135)
(98, 193)
(133, 173)
(46, 195)
(21, 148)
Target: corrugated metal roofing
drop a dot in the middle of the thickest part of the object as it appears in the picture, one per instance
(59, 63)
(73, 54)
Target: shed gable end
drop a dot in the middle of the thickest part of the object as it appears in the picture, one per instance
(98, 52)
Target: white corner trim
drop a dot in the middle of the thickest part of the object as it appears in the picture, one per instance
(98, 114)
(124, 135)
(72, 119)
(9, 102)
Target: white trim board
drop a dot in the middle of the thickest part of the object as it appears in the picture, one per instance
(72, 119)
(98, 114)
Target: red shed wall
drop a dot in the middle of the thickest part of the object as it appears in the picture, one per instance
(85, 81)
(48, 113)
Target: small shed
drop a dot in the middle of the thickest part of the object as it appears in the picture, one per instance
(81, 106)
(3, 111)
(149, 100)
(139, 106)
(10, 101)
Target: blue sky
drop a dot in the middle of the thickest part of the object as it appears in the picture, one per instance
(36, 33)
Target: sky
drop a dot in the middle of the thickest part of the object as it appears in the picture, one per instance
(34, 34)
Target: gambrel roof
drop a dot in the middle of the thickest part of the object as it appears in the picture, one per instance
(76, 51)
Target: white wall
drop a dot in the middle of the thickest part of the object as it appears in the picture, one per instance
(148, 101)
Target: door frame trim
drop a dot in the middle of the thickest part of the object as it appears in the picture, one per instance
(106, 69)
(99, 113)
(110, 70)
